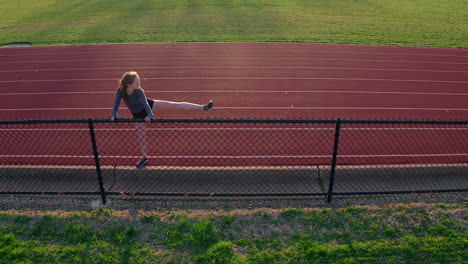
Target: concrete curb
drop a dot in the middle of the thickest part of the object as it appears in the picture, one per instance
(219, 180)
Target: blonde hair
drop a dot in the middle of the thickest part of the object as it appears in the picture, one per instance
(127, 78)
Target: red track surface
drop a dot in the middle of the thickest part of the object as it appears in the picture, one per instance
(250, 80)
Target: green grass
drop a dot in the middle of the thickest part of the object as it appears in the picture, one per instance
(424, 233)
(435, 23)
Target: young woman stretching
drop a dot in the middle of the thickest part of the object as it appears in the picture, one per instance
(141, 107)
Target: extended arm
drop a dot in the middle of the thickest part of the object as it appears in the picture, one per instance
(118, 97)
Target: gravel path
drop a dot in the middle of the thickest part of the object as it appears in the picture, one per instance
(122, 203)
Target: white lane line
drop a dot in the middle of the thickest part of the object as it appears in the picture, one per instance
(244, 50)
(266, 107)
(237, 78)
(239, 157)
(251, 91)
(238, 129)
(230, 67)
(229, 58)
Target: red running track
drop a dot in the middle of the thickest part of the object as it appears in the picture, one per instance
(251, 80)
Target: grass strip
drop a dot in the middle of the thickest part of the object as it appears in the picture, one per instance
(405, 233)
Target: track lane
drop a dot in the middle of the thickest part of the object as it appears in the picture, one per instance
(279, 99)
(248, 113)
(223, 46)
(237, 84)
(242, 73)
(252, 55)
(232, 62)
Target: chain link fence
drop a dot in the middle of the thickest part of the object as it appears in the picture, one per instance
(232, 157)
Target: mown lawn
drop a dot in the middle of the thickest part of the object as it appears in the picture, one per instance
(435, 23)
(409, 233)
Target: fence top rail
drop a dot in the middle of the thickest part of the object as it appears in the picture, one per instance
(291, 121)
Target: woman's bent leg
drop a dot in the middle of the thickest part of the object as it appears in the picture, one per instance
(141, 133)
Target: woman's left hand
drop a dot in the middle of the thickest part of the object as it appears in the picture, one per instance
(148, 119)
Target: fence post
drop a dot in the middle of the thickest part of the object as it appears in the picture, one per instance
(96, 160)
(335, 152)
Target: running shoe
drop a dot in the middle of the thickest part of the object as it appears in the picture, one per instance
(142, 163)
(208, 106)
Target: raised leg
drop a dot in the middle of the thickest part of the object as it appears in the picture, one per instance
(168, 105)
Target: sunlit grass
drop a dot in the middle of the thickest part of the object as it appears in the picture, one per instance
(438, 23)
